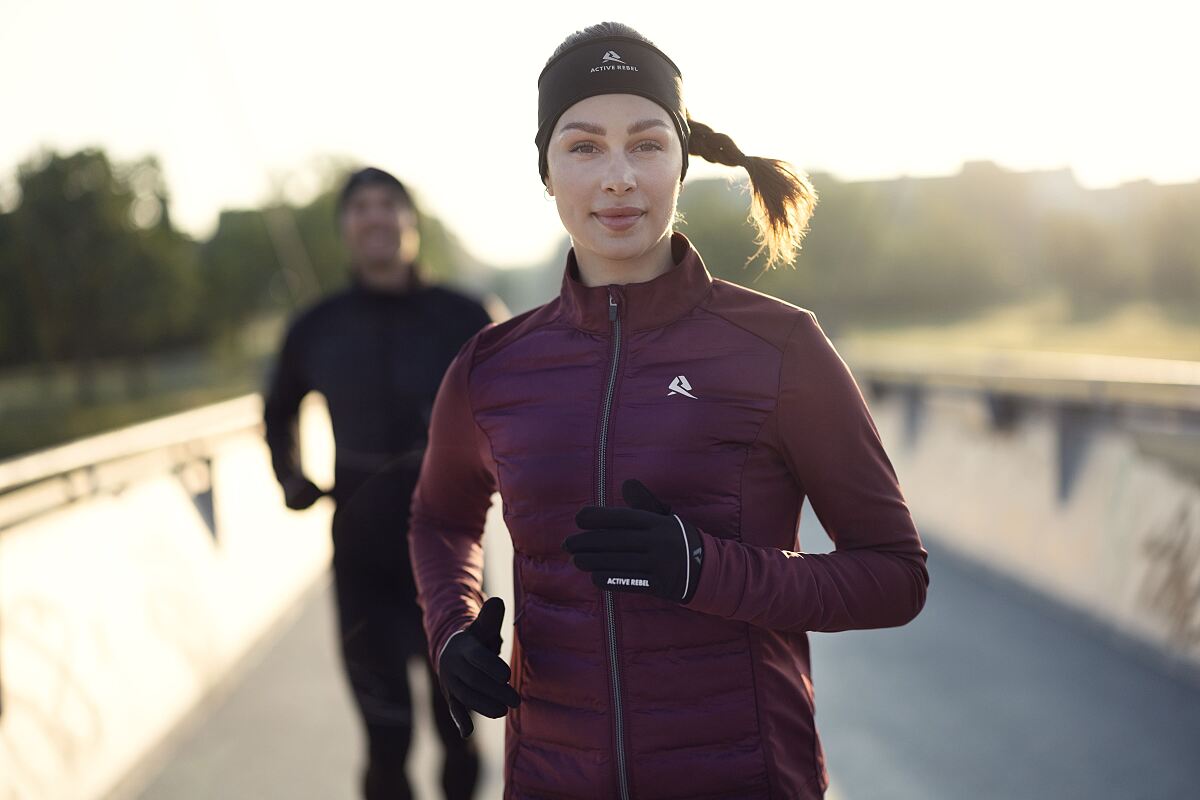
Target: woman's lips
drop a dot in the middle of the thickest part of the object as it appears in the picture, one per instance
(619, 219)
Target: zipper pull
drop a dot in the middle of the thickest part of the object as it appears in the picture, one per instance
(612, 308)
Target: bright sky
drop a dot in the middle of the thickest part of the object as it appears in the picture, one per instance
(235, 95)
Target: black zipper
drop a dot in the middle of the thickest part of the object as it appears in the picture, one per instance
(601, 497)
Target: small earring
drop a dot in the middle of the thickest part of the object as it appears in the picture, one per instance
(546, 192)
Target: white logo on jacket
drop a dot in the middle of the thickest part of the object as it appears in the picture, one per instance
(681, 386)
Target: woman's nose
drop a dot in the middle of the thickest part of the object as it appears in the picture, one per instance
(619, 178)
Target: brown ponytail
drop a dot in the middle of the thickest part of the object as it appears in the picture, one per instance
(782, 196)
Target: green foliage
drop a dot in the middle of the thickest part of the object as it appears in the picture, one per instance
(92, 257)
(1174, 252)
(239, 265)
(15, 324)
(318, 229)
(95, 273)
(98, 283)
(944, 249)
(1082, 258)
(109, 313)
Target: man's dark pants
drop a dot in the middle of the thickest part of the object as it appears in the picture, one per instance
(380, 632)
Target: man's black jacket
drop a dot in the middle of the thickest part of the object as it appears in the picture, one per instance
(378, 359)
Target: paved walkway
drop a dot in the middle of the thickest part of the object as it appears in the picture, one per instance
(288, 729)
(992, 693)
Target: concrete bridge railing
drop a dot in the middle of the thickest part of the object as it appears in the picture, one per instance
(137, 570)
(1077, 475)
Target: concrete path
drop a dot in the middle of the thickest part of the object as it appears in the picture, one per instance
(992, 693)
(288, 728)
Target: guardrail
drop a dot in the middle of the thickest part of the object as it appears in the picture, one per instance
(138, 569)
(40, 482)
(1062, 377)
(1157, 401)
(982, 441)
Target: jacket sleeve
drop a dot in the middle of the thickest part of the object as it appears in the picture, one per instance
(281, 409)
(449, 509)
(876, 577)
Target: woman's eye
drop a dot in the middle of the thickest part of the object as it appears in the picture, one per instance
(584, 147)
(648, 146)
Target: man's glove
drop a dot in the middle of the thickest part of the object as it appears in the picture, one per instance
(644, 548)
(299, 492)
(472, 674)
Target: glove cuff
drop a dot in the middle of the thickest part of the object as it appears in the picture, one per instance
(438, 664)
(693, 558)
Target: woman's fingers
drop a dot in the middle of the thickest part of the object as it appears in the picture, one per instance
(480, 702)
(613, 562)
(490, 664)
(594, 517)
(608, 541)
(486, 675)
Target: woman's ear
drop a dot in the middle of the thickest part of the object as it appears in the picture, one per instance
(549, 189)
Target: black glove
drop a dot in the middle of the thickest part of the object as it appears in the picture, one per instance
(644, 548)
(472, 674)
(299, 493)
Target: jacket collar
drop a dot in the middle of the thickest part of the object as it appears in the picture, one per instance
(416, 284)
(640, 306)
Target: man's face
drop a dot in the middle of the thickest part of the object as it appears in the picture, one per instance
(380, 231)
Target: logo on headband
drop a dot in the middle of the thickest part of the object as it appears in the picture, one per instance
(612, 61)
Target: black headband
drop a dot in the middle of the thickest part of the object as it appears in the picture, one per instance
(609, 65)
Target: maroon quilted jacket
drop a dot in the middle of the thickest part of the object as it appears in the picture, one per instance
(731, 407)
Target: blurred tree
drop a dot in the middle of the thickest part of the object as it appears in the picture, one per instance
(713, 215)
(1174, 252)
(14, 322)
(100, 268)
(239, 268)
(1081, 258)
(318, 226)
(442, 256)
(93, 267)
(878, 253)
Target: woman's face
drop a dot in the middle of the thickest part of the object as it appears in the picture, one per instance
(614, 162)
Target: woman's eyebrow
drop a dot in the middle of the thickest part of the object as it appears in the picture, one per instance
(586, 127)
(597, 130)
(646, 124)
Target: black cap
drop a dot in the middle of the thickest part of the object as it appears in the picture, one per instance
(373, 176)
